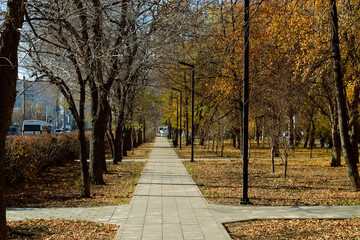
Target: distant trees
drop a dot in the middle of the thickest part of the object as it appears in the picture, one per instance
(292, 88)
(103, 52)
(11, 27)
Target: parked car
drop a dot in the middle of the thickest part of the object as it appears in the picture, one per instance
(34, 127)
(59, 131)
(164, 133)
(13, 129)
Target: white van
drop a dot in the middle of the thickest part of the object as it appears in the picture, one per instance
(34, 127)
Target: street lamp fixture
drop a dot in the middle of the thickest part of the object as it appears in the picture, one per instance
(192, 107)
(175, 89)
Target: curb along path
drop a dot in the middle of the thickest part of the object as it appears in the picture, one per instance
(168, 205)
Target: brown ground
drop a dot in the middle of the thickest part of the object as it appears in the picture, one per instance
(308, 182)
(60, 229)
(60, 187)
(295, 229)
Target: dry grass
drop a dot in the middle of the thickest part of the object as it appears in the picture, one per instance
(60, 187)
(261, 151)
(141, 152)
(60, 229)
(295, 229)
(308, 183)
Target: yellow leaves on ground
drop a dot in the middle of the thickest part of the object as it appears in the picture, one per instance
(295, 229)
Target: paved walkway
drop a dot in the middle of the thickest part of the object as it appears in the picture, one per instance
(167, 204)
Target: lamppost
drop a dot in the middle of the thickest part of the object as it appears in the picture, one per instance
(175, 89)
(192, 107)
(245, 199)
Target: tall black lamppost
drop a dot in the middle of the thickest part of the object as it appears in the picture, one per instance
(180, 111)
(245, 199)
(192, 107)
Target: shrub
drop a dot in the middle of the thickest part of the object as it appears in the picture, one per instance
(27, 155)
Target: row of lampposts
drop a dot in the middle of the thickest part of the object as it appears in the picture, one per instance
(244, 199)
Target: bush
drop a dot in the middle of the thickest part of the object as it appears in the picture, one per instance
(28, 155)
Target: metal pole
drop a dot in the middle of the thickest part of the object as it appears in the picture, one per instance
(180, 117)
(245, 199)
(177, 121)
(192, 113)
(24, 100)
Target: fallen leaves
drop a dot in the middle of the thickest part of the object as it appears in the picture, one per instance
(60, 229)
(60, 187)
(309, 182)
(295, 229)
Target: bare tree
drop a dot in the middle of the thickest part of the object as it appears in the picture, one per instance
(68, 74)
(9, 42)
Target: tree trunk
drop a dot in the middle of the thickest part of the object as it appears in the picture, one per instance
(110, 136)
(202, 137)
(119, 139)
(336, 141)
(3, 133)
(355, 122)
(109, 140)
(144, 132)
(213, 143)
(306, 141)
(354, 139)
(285, 164)
(286, 155)
(134, 143)
(80, 121)
(348, 151)
(222, 145)
(85, 178)
(97, 141)
(208, 141)
(100, 105)
(238, 139)
(257, 132)
(187, 140)
(127, 142)
(311, 137)
(97, 155)
(336, 148)
(263, 131)
(139, 137)
(10, 37)
(291, 132)
(120, 128)
(272, 158)
(233, 136)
